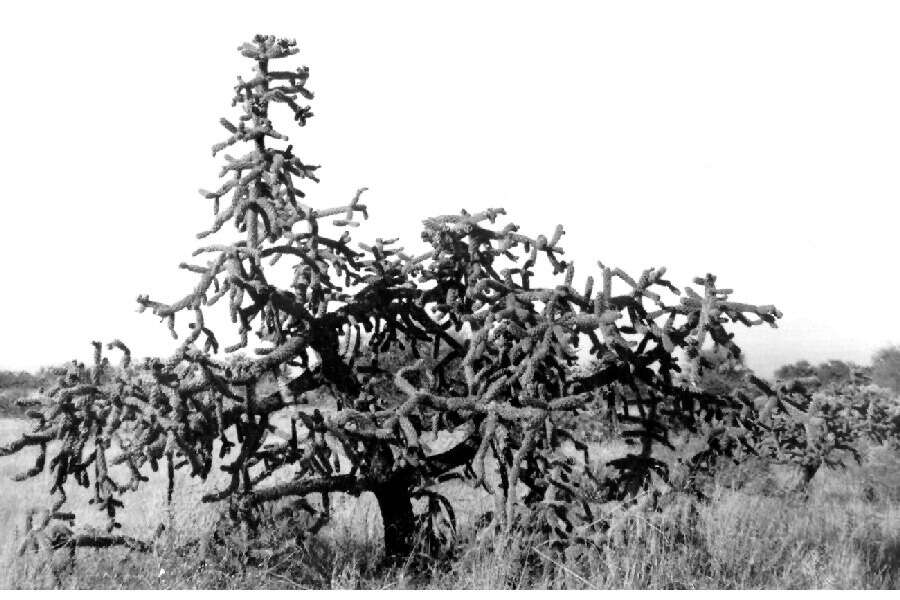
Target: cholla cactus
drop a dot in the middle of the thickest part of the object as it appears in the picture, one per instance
(810, 426)
(493, 360)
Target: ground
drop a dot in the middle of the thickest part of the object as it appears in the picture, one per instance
(751, 534)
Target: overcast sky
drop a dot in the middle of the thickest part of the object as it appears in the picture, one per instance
(758, 141)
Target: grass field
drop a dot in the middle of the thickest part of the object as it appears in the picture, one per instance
(845, 534)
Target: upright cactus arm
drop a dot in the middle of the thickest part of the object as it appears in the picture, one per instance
(491, 355)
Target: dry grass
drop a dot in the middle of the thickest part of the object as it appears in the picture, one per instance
(845, 534)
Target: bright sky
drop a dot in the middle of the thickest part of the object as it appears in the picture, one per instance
(758, 141)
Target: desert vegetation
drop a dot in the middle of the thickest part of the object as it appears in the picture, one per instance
(474, 414)
(17, 387)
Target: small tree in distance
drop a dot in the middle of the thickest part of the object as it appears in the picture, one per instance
(825, 373)
(491, 363)
(826, 414)
(886, 368)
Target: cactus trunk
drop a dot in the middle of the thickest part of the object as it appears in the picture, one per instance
(395, 504)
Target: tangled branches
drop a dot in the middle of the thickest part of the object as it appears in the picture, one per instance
(492, 360)
(810, 426)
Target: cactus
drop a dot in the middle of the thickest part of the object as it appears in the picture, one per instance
(809, 426)
(492, 361)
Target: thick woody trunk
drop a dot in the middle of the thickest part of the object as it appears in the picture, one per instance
(393, 489)
(392, 485)
(397, 515)
(807, 472)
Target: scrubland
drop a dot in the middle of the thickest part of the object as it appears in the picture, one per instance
(754, 532)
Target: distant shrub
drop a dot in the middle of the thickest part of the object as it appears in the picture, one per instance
(15, 386)
(811, 425)
(18, 379)
(886, 368)
(826, 373)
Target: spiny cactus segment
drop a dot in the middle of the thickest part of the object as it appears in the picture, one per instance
(492, 363)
